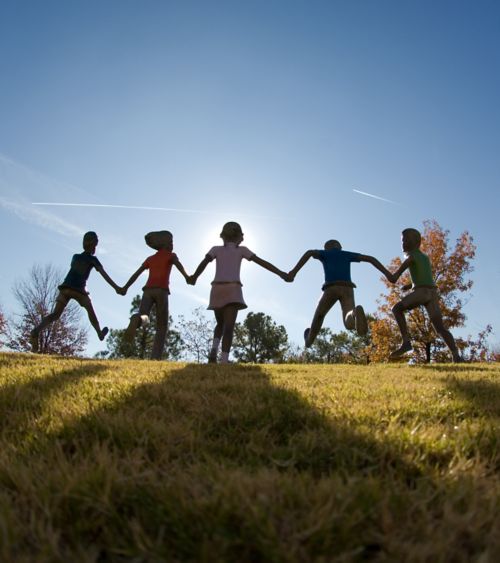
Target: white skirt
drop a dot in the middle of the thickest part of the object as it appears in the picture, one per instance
(226, 293)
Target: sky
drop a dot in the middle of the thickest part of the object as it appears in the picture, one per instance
(287, 116)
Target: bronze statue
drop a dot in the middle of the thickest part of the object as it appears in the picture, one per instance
(74, 287)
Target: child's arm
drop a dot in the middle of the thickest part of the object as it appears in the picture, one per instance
(202, 265)
(268, 266)
(374, 262)
(393, 278)
(104, 274)
(132, 279)
(176, 262)
(305, 257)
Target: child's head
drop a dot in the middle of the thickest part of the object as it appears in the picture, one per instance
(160, 240)
(90, 241)
(332, 244)
(231, 232)
(410, 239)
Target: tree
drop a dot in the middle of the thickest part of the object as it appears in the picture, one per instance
(451, 267)
(36, 296)
(142, 344)
(259, 339)
(196, 334)
(343, 347)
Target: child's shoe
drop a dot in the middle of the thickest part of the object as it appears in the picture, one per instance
(360, 321)
(405, 347)
(306, 337)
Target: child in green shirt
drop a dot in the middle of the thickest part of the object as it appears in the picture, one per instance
(424, 293)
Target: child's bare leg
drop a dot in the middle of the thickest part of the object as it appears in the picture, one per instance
(354, 317)
(219, 327)
(326, 302)
(161, 326)
(230, 312)
(436, 318)
(139, 318)
(45, 322)
(411, 301)
(94, 322)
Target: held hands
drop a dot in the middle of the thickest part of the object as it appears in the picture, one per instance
(121, 291)
(286, 277)
(406, 287)
(191, 280)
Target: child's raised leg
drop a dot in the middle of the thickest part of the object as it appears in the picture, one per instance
(408, 302)
(354, 317)
(140, 318)
(93, 320)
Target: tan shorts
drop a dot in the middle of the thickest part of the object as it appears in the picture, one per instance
(426, 296)
(332, 294)
(67, 293)
(223, 294)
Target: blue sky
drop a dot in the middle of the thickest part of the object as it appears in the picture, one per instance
(270, 113)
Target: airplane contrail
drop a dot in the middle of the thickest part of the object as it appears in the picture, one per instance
(376, 197)
(147, 208)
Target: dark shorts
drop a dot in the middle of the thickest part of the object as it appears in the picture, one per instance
(67, 293)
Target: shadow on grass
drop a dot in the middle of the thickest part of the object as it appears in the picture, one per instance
(221, 463)
(237, 417)
(483, 394)
(197, 452)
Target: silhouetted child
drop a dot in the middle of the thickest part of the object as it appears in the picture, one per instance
(156, 290)
(424, 293)
(226, 296)
(74, 287)
(337, 287)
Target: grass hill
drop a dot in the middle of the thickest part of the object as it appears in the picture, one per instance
(152, 461)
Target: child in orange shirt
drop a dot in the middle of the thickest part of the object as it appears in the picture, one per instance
(156, 290)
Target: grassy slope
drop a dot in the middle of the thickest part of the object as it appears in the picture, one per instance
(129, 460)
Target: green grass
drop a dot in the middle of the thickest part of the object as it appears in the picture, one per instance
(149, 461)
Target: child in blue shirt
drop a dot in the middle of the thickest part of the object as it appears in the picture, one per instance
(338, 286)
(74, 287)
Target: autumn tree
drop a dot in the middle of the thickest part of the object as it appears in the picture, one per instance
(196, 334)
(258, 339)
(142, 344)
(36, 295)
(451, 268)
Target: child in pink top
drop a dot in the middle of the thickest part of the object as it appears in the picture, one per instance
(156, 290)
(226, 296)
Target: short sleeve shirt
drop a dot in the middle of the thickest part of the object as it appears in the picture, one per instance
(420, 269)
(337, 265)
(228, 261)
(159, 266)
(81, 266)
